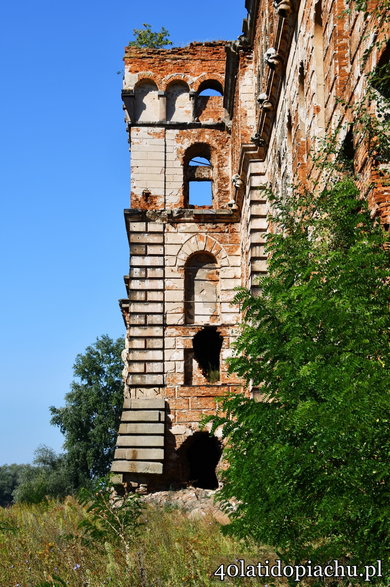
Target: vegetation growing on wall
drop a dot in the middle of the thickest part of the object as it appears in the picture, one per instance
(147, 38)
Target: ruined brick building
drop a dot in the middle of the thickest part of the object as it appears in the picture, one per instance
(236, 117)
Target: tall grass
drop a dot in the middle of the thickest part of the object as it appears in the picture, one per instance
(44, 541)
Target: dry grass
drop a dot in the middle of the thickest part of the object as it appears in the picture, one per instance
(39, 542)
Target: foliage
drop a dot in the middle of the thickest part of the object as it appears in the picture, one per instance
(379, 9)
(48, 477)
(147, 38)
(93, 407)
(374, 128)
(47, 547)
(9, 480)
(309, 465)
(111, 516)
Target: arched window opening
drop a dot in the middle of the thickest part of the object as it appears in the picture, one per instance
(201, 278)
(146, 101)
(179, 107)
(200, 455)
(198, 185)
(210, 88)
(208, 101)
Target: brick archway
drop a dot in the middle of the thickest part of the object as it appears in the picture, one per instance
(199, 243)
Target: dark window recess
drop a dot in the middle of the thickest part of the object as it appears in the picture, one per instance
(202, 453)
(188, 366)
(200, 288)
(380, 77)
(346, 154)
(207, 346)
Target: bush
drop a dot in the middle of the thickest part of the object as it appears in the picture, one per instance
(309, 465)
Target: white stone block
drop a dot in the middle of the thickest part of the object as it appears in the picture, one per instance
(143, 416)
(145, 379)
(141, 428)
(137, 227)
(153, 403)
(155, 249)
(148, 354)
(137, 467)
(174, 295)
(142, 441)
(139, 454)
(147, 284)
(174, 319)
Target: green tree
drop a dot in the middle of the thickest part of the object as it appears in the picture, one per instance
(47, 477)
(90, 418)
(309, 464)
(147, 38)
(9, 480)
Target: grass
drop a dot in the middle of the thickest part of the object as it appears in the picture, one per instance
(41, 542)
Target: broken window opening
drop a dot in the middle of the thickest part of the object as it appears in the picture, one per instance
(201, 289)
(201, 453)
(207, 344)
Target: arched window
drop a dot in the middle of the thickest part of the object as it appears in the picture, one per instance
(201, 278)
(179, 107)
(146, 101)
(198, 176)
(210, 87)
(208, 101)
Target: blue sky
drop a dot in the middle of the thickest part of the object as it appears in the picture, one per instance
(64, 181)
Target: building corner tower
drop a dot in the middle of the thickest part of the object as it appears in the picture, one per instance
(185, 262)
